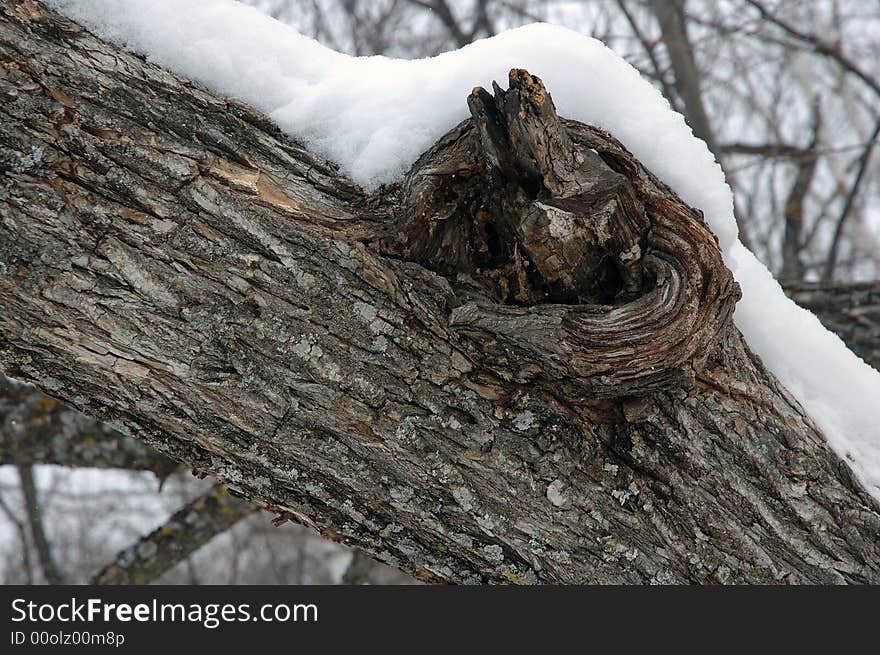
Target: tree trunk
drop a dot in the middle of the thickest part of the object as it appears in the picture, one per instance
(516, 365)
(34, 511)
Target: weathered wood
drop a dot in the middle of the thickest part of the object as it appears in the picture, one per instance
(172, 261)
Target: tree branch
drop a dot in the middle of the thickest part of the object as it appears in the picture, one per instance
(864, 161)
(852, 311)
(673, 29)
(818, 44)
(20, 527)
(35, 520)
(387, 369)
(190, 528)
(443, 12)
(649, 48)
(36, 429)
(792, 268)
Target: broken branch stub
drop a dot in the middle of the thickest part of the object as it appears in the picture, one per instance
(564, 250)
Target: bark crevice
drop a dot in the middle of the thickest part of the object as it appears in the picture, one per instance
(563, 249)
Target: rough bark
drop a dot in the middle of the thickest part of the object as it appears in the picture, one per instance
(190, 528)
(516, 365)
(37, 429)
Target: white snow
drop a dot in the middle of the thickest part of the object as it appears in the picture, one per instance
(374, 116)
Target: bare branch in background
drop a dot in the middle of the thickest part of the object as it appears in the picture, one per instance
(864, 160)
(443, 12)
(360, 569)
(852, 311)
(37, 429)
(191, 527)
(649, 47)
(767, 150)
(817, 43)
(792, 267)
(21, 529)
(673, 28)
(482, 23)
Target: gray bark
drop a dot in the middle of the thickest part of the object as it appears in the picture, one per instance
(521, 405)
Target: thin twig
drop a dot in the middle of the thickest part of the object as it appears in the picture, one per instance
(864, 160)
(668, 91)
(818, 44)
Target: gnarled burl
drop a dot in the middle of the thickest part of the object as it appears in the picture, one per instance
(581, 262)
(518, 364)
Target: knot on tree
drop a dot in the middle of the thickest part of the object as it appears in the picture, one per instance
(570, 260)
(524, 211)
